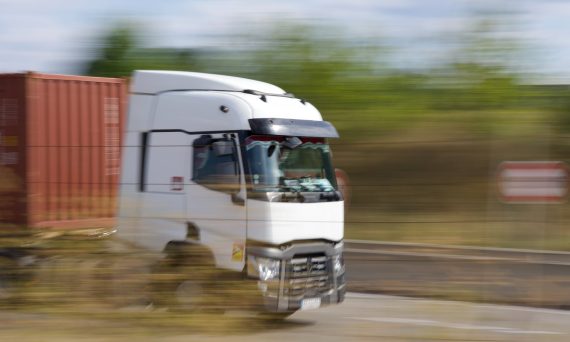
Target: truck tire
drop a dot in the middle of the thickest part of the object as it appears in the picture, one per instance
(11, 281)
(186, 282)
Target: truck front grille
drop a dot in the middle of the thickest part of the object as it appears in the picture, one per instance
(307, 276)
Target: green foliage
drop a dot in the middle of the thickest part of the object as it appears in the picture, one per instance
(352, 83)
(121, 52)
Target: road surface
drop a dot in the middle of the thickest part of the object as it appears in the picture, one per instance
(496, 275)
(362, 317)
(470, 274)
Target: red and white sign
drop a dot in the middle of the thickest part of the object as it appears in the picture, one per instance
(533, 182)
(177, 183)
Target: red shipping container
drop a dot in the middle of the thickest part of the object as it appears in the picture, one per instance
(60, 145)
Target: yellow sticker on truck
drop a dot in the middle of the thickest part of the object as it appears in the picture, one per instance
(237, 252)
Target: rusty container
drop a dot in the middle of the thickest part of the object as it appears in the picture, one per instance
(60, 147)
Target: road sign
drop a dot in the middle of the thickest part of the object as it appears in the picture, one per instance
(533, 182)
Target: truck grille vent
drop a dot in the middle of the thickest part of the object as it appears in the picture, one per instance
(307, 277)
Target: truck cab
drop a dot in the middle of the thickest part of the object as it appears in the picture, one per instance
(238, 168)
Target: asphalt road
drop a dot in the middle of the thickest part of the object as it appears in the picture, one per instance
(491, 275)
(439, 272)
(362, 317)
(496, 275)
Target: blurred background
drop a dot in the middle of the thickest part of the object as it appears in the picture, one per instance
(429, 97)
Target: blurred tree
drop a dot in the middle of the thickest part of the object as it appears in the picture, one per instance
(313, 62)
(350, 80)
(121, 51)
(480, 73)
(113, 59)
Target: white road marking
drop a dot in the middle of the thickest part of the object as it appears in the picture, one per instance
(370, 296)
(526, 309)
(440, 324)
(453, 325)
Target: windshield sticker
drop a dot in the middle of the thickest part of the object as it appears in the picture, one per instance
(267, 144)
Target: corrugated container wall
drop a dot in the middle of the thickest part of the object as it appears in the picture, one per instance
(60, 145)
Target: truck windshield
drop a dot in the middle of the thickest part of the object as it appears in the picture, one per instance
(276, 165)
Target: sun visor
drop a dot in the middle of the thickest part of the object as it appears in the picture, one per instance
(293, 127)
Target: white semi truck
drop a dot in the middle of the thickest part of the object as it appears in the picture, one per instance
(235, 174)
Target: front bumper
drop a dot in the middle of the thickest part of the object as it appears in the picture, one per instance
(307, 272)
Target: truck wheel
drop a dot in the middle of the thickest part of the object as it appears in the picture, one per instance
(10, 282)
(186, 283)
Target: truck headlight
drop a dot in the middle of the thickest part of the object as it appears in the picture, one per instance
(263, 268)
(338, 264)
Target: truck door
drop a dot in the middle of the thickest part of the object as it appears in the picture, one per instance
(216, 197)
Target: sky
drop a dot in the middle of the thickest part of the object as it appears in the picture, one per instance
(59, 35)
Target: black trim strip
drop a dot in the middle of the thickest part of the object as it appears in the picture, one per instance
(293, 127)
(142, 175)
(289, 250)
(176, 130)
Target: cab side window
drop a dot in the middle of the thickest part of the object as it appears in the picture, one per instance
(215, 163)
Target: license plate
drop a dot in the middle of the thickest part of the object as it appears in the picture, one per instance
(310, 303)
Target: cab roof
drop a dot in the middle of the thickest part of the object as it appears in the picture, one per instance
(158, 81)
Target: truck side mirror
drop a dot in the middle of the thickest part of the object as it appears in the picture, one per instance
(237, 199)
